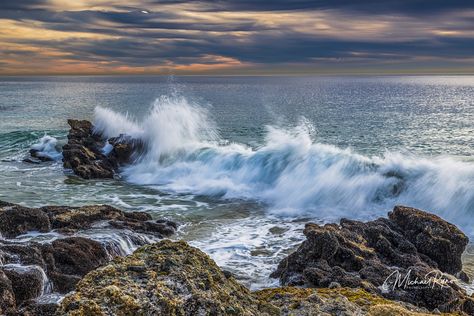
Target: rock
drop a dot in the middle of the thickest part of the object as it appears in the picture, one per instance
(441, 241)
(71, 258)
(16, 220)
(374, 256)
(124, 148)
(172, 278)
(34, 308)
(325, 302)
(67, 260)
(7, 298)
(27, 282)
(35, 153)
(84, 152)
(176, 279)
(80, 217)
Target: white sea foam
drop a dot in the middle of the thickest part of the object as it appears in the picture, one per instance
(47, 147)
(292, 173)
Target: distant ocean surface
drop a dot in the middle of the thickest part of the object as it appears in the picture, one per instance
(244, 162)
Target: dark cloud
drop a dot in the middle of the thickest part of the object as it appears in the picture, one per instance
(150, 37)
(372, 6)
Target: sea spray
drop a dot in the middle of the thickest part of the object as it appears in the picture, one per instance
(47, 147)
(291, 172)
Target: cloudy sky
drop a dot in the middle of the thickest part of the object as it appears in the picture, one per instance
(236, 37)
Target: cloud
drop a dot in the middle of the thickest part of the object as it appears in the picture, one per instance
(100, 35)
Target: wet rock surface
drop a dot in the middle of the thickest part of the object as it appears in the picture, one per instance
(16, 220)
(83, 152)
(28, 268)
(377, 256)
(87, 155)
(173, 278)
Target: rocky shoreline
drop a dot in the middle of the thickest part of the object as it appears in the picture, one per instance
(406, 264)
(338, 270)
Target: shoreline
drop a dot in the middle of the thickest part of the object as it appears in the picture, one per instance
(308, 295)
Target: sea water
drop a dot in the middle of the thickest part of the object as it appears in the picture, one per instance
(242, 163)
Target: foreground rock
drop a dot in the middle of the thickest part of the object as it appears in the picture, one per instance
(378, 255)
(88, 156)
(29, 268)
(172, 278)
(16, 220)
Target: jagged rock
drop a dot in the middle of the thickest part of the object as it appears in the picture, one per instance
(84, 152)
(364, 255)
(172, 278)
(124, 148)
(27, 282)
(69, 259)
(37, 309)
(7, 298)
(16, 220)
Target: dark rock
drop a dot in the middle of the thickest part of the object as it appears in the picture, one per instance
(26, 281)
(441, 241)
(172, 278)
(38, 309)
(124, 148)
(84, 153)
(364, 255)
(80, 217)
(35, 153)
(71, 258)
(67, 260)
(7, 298)
(160, 228)
(16, 220)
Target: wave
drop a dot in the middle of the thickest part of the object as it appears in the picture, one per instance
(47, 147)
(291, 172)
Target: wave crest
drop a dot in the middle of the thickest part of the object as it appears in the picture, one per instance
(291, 172)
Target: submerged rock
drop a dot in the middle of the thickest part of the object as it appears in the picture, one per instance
(87, 155)
(173, 278)
(383, 256)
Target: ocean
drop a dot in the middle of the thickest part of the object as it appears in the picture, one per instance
(242, 163)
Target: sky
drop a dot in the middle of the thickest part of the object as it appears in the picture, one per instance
(224, 37)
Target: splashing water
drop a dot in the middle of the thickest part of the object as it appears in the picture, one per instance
(290, 172)
(47, 147)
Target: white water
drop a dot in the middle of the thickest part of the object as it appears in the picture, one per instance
(47, 147)
(291, 172)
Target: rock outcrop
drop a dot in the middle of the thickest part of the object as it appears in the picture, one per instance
(405, 257)
(16, 220)
(87, 155)
(172, 278)
(27, 266)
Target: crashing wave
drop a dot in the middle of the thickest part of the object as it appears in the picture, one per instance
(290, 172)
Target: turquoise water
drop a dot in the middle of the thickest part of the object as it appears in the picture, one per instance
(231, 158)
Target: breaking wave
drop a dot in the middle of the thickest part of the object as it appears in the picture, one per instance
(291, 172)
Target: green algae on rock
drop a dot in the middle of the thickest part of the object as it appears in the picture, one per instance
(172, 278)
(166, 278)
